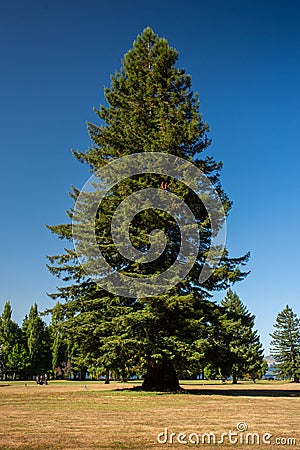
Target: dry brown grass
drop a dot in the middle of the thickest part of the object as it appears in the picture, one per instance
(68, 416)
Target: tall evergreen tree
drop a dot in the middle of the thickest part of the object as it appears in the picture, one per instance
(151, 108)
(285, 344)
(9, 337)
(37, 343)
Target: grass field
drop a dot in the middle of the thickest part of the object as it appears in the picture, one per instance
(70, 415)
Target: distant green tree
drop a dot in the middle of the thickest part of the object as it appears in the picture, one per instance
(61, 364)
(285, 344)
(211, 372)
(151, 108)
(10, 336)
(256, 369)
(18, 360)
(238, 351)
(37, 343)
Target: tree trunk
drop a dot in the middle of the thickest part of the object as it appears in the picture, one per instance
(106, 377)
(82, 374)
(234, 378)
(161, 377)
(123, 376)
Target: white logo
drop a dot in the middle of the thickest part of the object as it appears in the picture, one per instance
(242, 426)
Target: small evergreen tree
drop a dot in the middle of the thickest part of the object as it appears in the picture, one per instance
(285, 344)
(238, 351)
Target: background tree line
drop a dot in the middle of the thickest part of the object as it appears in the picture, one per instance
(78, 345)
(75, 347)
(25, 351)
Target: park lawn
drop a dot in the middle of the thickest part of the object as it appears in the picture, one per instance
(72, 415)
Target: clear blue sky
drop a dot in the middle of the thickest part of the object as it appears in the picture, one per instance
(244, 58)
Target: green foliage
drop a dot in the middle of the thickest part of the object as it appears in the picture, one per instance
(237, 350)
(37, 343)
(10, 342)
(150, 108)
(18, 360)
(285, 344)
(59, 345)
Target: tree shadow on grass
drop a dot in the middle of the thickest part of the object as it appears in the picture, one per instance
(230, 392)
(245, 392)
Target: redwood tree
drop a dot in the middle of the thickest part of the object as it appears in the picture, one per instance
(150, 108)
